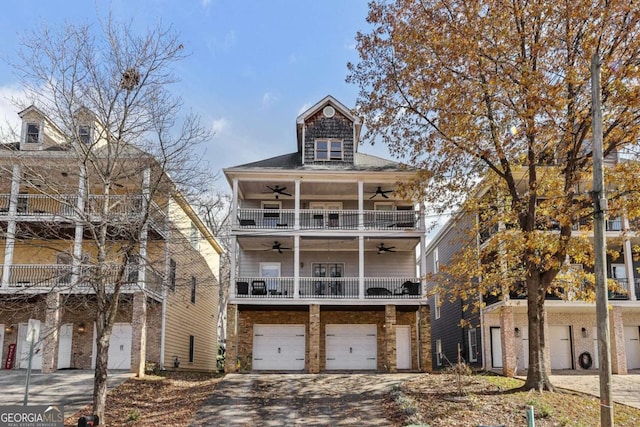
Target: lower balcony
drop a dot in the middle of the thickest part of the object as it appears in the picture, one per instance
(330, 288)
(29, 278)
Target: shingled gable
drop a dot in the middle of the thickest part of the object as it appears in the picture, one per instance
(328, 120)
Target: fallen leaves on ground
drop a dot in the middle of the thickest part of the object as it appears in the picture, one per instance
(168, 400)
(486, 399)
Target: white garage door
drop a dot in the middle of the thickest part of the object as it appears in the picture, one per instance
(64, 345)
(119, 347)
(24, 347)
(560, 347)
(351, 347)
(632, 346)
(278, 347)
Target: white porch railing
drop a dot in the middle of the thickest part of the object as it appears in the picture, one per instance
(60, 276)
(315, 219)
(122, 208)
(343, 288)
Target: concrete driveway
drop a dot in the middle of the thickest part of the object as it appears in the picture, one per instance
(299, 400)
(71, 388)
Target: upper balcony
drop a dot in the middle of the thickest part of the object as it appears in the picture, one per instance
(63, 208)
(41, 278)
(620, 292)
(322, 219)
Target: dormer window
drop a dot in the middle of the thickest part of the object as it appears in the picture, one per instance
(84, 134)
(329, 149)
(33, 133)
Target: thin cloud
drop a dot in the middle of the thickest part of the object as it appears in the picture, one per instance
(205, 3)
(219, 125)
(268, 99)
(10, 97)
(293, 58)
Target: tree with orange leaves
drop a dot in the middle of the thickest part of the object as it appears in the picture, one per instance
(498, 91)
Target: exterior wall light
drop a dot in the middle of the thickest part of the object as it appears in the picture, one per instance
(82, 328)
(585, 332)
(516, 332)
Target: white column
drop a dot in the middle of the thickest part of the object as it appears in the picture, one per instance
(296, 266)
(361, 267)
(296, 221)
(234, 203)
(423, 264)
(10, 239)
(628, 265)
(232, 267)
(360, 205)
(79, 228)
(144, 230)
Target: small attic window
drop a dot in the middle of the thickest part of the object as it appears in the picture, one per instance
(33, 133)
(84, 134)
(329, 149)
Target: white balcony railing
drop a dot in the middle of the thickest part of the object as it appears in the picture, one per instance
(342, 288)
(64, 207)
(315, 219)
(31, 277)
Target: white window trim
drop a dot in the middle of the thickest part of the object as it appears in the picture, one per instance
(438, 352)
(89, 134)
(26, 131)
(436, 303)
(472, 354)
(378, 205)
(329, 141)
(271, 202)
(436, 260)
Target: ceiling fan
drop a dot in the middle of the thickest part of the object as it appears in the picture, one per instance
(383, 249)
(381, 192)
(277, 191)
(277, 247)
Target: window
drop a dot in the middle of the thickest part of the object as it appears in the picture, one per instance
(329, 149)
(193, 290)
(436, 261)
(439, 352)
(473, 345)
(192, 342)
(172, 274)
(436, 303)
(195, 237)
(84, 134)
(33, 133)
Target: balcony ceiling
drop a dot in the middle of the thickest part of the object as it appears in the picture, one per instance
(265, 243)
(313, 190)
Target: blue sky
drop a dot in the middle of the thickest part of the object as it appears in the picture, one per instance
(253, 65)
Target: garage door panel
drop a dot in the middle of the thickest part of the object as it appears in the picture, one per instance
(279, 347)
(632, 346)
(351, 347)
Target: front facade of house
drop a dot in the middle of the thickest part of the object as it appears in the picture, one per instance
(169, 299)
(323, 258)
(496, 337)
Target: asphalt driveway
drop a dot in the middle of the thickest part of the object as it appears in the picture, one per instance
(299, 400)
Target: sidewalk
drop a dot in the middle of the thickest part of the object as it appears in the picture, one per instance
(625, 388)
(71, 388)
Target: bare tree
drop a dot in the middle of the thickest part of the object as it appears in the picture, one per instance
(107, 90)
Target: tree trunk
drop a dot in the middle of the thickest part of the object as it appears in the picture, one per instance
(103, 332)
(537, 377)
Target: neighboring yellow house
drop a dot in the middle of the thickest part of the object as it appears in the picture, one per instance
(51, 208)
